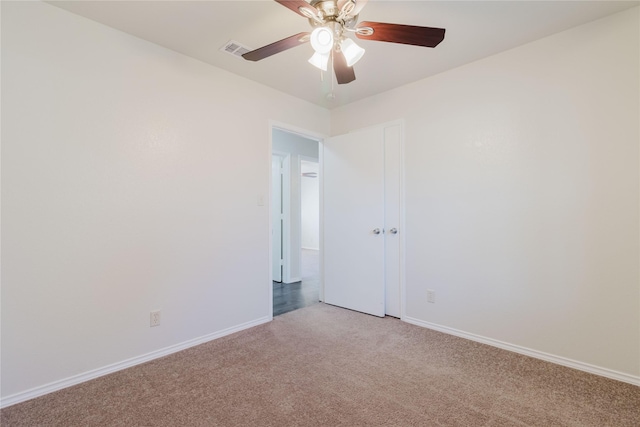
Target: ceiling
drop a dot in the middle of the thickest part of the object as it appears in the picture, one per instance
(475, 29)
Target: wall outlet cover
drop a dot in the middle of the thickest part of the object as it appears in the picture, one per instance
(431, 296)
(155, 318)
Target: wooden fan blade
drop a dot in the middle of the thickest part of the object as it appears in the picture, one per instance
(277, 47)
(404, 34)
(344, 73)
(295, 5)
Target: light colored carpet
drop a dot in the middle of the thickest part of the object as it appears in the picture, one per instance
(325, 366)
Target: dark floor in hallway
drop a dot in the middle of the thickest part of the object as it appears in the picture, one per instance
(292, 296)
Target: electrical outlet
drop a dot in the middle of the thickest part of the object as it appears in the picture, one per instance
(155, 318)
(431, 296)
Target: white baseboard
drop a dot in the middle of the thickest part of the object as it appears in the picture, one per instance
(292, 280)
(604, 372)
(96, 373)
(311, 249)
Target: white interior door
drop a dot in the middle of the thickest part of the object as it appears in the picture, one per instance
(276, 217)
(353, 213)
(392, 218)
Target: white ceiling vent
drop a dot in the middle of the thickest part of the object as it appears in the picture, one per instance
(234, 48)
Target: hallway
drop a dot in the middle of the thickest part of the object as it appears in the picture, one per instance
(292, 296)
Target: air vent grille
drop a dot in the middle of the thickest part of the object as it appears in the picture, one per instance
(234, 48)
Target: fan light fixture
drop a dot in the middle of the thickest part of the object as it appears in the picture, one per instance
(352, 52)
(322, 40)
(322, 43)
(320, 60)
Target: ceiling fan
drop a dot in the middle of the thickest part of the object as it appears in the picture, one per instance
(333, 21)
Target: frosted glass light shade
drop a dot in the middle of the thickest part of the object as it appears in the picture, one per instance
(352, 52)
(320, 60)
(322, 40)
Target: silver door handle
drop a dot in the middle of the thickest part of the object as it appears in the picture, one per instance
(376, 231)
(393, 231)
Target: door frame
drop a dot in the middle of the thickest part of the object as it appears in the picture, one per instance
(273, 124)
(286, 215)
(285, 200)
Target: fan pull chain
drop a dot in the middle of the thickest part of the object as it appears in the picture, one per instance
(331, 95)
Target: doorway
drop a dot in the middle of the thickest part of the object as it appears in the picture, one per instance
(295, 220)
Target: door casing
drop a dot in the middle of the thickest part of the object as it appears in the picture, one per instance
(276, 217)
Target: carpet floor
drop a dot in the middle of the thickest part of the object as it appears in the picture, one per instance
(326, 366)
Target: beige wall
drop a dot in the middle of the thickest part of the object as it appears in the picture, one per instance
(522, 195)
(130, 182)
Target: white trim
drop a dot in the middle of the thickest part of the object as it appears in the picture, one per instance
(403, 223)
(270, 227)
(296, 130)
(96, 373)
(272, 260)
(559, 360)
(286, 218)
(321, 218)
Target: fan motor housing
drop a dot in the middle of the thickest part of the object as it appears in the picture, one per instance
(328, 8)
(329, 12)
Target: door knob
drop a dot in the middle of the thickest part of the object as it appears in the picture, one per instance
(393, 231)
(376, 231)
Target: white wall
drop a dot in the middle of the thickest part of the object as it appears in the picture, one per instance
(122, 193)
(310, 207)
(522, 194)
